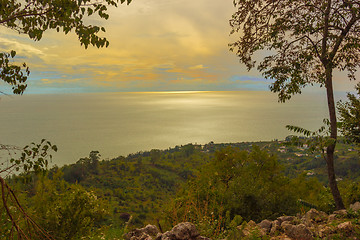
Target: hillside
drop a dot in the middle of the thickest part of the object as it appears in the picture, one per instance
(162, 186)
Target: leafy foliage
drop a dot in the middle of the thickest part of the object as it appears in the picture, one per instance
(17, 221)
(34, 17)
(350, 117)
(205, 184)
(302, 39)
(67, 211)
(13, 74)
(317, 141)
(235, 185)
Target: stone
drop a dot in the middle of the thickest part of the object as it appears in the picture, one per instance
(315, 215)
(342, 212)
(355, 207)
(182, 231)
(252, 227)
(142, 236)
(282, 237)
(284, 224)
(275, 227)
(151, 230)
(285, 218)
(331, 217)
(142, 233)
(185, 231)
(299, 231)
(266, 225)
(325, 231)
(202, 238)
(346, 227)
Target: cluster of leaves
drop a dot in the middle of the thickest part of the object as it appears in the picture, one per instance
(140, 183)
(67, 211)
(34, 17)
(34, 157)
(13, 74)
(54, 209)
(349, 116)
(18, 222)
(318, 140)
(301, 40)
(235, 184)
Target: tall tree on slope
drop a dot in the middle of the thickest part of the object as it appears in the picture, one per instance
(305, 41)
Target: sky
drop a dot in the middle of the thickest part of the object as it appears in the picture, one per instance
(155, 45)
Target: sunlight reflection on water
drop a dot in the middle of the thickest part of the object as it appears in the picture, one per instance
(121, 123)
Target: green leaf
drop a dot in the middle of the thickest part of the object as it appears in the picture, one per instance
(12, 53)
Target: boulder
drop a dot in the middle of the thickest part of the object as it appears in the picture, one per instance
(182, 231)
(324, 231)
(331, 217)
(266, 225)
(284, 224)
(275, 227)
(345, 227)
(342, 212)
(299, 231)
(286, 218)
(145, 233)
(315, 215)
(355, 207)
(251, 228)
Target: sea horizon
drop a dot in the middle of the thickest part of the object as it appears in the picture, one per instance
(120, 123)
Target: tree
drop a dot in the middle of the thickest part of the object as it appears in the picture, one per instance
(15, 220)
(350, 117)
(34, 17)
(305, 41)
(67, 211)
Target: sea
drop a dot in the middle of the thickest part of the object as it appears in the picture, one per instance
(118, 124)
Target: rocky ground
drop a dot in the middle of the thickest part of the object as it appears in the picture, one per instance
(343, 224)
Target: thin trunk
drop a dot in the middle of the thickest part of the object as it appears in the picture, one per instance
(333, 135)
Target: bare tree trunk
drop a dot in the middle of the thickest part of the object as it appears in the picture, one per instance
(333, 135)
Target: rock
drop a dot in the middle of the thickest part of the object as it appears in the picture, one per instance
(346, 227)
(144, 236)
(315, 215)
(250, 228)
(342, 212)
(142, 233)
(275, 227)
(355, 207)
(282, 237)
(325, 231)
(331, 217)
(284, 224)
(151, 230)
(299, 231)
(182, 231)
(285, 218)
(266, 225)
(202, 238)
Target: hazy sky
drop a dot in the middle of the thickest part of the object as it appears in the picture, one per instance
(155, 45)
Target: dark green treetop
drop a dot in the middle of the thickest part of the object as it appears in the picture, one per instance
(349, 113)
(301, 38)
(304, 41)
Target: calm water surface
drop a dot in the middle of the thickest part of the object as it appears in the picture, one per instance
(122, 123)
